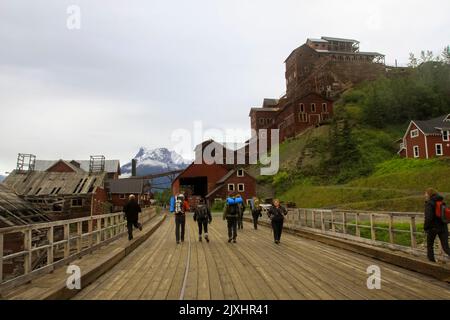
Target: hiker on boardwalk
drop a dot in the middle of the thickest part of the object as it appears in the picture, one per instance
(179, 205)
(202, 216)
(256, 211)
(231, 214)
(241, 206)
(434, 226)
(132, 210)
(276, 214)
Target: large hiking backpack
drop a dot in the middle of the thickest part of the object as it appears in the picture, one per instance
(179, 204)
(442, 211)
(233, 209)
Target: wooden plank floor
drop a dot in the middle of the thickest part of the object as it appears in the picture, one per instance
(253, 268)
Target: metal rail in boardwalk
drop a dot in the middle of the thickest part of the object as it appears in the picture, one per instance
(46, 246)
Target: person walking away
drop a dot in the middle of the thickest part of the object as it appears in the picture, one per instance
(434, 225)
(231, 214)
(132, 210)
(276, 215)
(241, 206)
(203, 217)
(256, 211)
(179, 206)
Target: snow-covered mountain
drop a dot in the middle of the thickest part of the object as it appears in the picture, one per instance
(154, 161)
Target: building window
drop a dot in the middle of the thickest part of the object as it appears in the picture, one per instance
(261, 121)
(446, 135)
(303, 117)
(313, 107)
(77, 203)
(241, 187)
(240, 173)
(414, 133)
(122, 196)
(416, 152)
(324, 107)
(230, 187)
(439, 151)
(302, 107)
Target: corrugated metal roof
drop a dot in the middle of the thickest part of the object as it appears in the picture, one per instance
(111, 166)
(42, 183)
(126, 186)
(16, 211)
(340, 39)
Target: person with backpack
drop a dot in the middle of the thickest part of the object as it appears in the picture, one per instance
(132, 210)
(276, 214)
(256, 211)
(179, 205)
(436, 220)
(231, 214)
(241, 206)
(202, 216)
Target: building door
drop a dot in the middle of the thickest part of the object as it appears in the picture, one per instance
(314, 119)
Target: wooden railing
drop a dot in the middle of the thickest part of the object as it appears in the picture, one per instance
(401, 231)
(41, 248)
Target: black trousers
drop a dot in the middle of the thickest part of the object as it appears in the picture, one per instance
(180, 224)
(240, 222)
(130, 225)
(277, 226)
(202, 226)
(232, 227)
(255, 219)
(443, 237)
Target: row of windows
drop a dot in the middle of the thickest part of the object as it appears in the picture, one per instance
(445, 134)
(302, 117)
(266, 121)
(240, 187)
(313, 107)
(438, 148)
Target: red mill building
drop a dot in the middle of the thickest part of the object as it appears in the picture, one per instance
(316, 73)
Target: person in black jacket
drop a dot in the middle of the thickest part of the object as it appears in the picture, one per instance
(132, 210)
(256, 211)
(433, 225)
(202, 216)
(276, 214)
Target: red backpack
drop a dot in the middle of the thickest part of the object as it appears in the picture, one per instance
(442, 211)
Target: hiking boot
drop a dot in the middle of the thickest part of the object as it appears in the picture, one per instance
(229, 240)
(200, 238)
(140, 227)
(178, 242)
(234, 241)
(207, 239)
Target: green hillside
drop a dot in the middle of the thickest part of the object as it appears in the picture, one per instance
(352, 162)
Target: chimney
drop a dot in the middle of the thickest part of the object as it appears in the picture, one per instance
(133, 167)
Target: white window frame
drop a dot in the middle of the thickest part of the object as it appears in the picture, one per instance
(445, 135)
(418, 151)
(241, 187)
(233, 187)
(240, 173)
(302, 108)
(313, 107)
(303, 117)
(122, 196)
(436, 149)
(414, 133)
(324, 107)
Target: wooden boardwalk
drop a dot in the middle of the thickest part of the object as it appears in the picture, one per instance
(253, 268)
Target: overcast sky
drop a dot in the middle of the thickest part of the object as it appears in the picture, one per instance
(138, 70)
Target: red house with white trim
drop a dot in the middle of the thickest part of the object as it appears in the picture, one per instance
(427, 139)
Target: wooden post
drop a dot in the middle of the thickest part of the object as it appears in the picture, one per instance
(99, 232)
(90, 230)
(358, 232)
(1, 257)
(67, 239)
(299, 218)
(313, 219)
(305, 211)
(372, 228)
(413, 232)
(391, 225)
(27, 247)
(344, 222)
(322, 221)
(79, 236)
(50, 237)
(333, 228)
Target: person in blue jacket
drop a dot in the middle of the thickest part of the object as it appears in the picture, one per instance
(231, 214)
